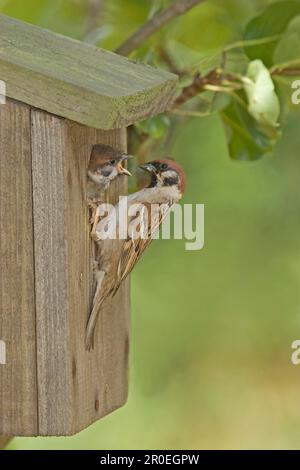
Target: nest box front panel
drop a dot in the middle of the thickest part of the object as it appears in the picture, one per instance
(46, 254)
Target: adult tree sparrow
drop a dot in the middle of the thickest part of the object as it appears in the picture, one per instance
(117, 258)
(105, 165)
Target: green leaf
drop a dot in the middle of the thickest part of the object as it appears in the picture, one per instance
(246, 141)
(273, 22)
(288, 48)
(155, 127)
(263, 103)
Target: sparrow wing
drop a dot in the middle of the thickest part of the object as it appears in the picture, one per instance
(131, 250)
(134, 246)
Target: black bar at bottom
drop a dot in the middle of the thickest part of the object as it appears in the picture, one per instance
(136, 458)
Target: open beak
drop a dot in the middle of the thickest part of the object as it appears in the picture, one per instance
(148, 167)
(120, 168)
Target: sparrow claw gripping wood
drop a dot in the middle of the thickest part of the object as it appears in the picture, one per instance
(117, 258)
(93, 209)
(96, 219)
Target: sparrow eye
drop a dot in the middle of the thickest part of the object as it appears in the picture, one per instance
(163, 166)
(113, 162)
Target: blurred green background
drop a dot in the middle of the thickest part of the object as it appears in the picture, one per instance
(211, 330)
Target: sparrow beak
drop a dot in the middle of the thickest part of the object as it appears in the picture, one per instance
(122, 170)
(126, 156)
(148, 167)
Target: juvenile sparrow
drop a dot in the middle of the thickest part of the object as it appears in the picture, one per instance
(117, 258)
(105, 165)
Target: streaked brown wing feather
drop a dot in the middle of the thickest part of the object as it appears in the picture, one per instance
(133, 249)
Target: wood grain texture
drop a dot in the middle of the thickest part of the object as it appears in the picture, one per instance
(75, 387)
(77, 80)
(4, 441)
(18, 394)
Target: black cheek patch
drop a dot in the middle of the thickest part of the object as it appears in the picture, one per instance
(106, 173)
(170, 181)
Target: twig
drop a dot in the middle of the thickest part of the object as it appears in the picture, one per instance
(191, 113)
(199, 84)
(177, 8)
(193, 89)
(287, 72)
(286, 65)
(222, 66)
(252, 42)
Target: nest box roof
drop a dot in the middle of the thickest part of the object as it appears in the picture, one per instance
(79, 81)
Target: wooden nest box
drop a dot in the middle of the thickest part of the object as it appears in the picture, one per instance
(63, 96)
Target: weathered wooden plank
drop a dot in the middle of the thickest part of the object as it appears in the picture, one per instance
(53, 335)
(75, 387)
(18, 394)
(77, 80)
(4, 441)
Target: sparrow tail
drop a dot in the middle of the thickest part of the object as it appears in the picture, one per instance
(98, 300)
(89, 335)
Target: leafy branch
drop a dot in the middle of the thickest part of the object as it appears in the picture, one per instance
(215, 80)
(245, 85)
(288, 69)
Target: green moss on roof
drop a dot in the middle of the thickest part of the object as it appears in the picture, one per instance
(79, 81)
